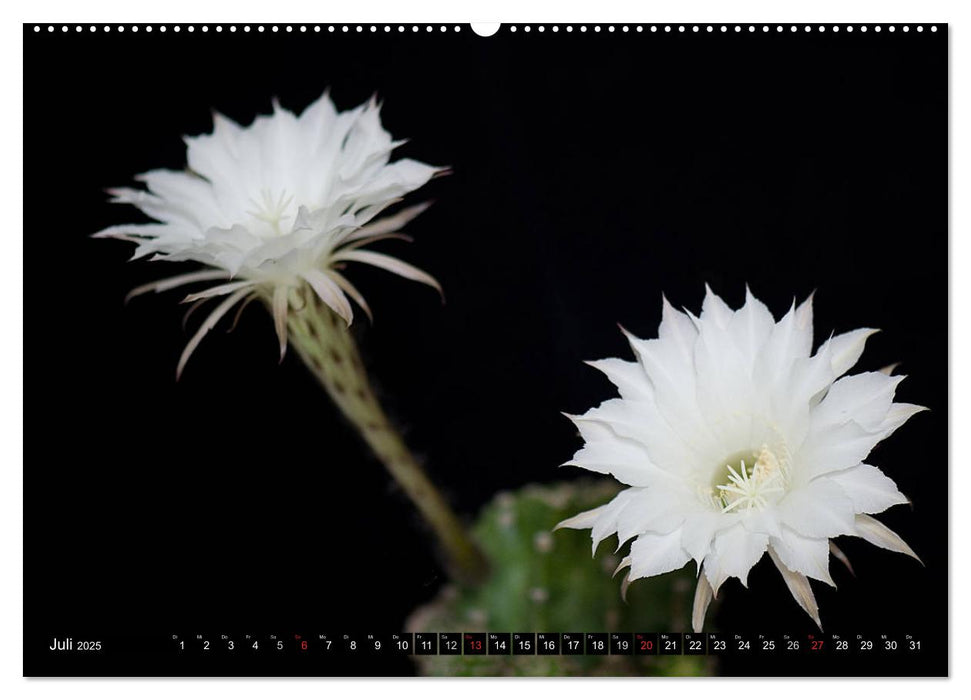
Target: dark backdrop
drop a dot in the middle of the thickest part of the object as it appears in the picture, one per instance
(592, 171)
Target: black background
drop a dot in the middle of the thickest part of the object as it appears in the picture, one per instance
(592, 172)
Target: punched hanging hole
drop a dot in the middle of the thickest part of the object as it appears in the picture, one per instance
(485, 28)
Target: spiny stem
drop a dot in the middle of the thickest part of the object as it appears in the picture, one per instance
(323, 341)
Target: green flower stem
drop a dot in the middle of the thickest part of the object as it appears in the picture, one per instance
(323, 341)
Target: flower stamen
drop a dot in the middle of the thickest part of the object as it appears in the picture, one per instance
(747, 486)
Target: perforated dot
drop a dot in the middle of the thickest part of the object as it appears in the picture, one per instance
(583, 29)
(610, 28)
(458, 28)
(836, 29)
(555, 28)
(36, 28)
(596, 29)
(878, 29)
(709, 28)
(625, 28)
(933, 29)
(906, 29)
(765, 28)
(78, 28)
(569, 29)
(920, 29)
(246, 28)
(93, 28)
(122, 29)
(694, 28)
(724, 28)
(64, 29)
(667, 28)
(863, 28)
(779, 28)
(681, 28)
(527, 28)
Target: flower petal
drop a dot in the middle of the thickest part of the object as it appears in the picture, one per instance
(628, 377)
(875, 532)
(207, 326)
(869, 488)
(606, 452)
(352, 291)
(799, 588)
(735, 551)
(280, 308)
(168, 283)
(330, 294)
(386, 262)
(818, 509)
(804, 555)
(652, 554)
(703, 596)
(847, 348)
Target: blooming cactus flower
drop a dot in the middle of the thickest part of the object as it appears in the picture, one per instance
(737, 441)
(273, 207)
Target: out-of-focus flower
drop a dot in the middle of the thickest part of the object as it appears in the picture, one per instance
(276, 207)
(737, 441)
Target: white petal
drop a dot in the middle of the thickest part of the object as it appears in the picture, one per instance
(218, 291)
(869, 488)
(605, 452)
(863, 398)
(641, 421)
(605, 524)
(838, 553)
(736, 551)
(829, 448)
(875, 532)
(653, 509)
(389, 224)
(652, 554)
(847, 348)
(677, 327)
(818, 509)
(207, 326)
(898, 414)
(582, 521)
(351, 290)
(628, 377)
(330, 294)
(714, 310)
(804, 555)
(177, 281)
(750, 328)
(799, 588)
(703, 595)
(697, 533)
(280, 308)
(386, 262)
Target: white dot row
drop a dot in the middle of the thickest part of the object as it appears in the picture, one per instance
(697, 28)
(249, 28)
(387, 28)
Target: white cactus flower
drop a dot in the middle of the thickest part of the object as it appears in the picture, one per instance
(737, 441)
(275, 207)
